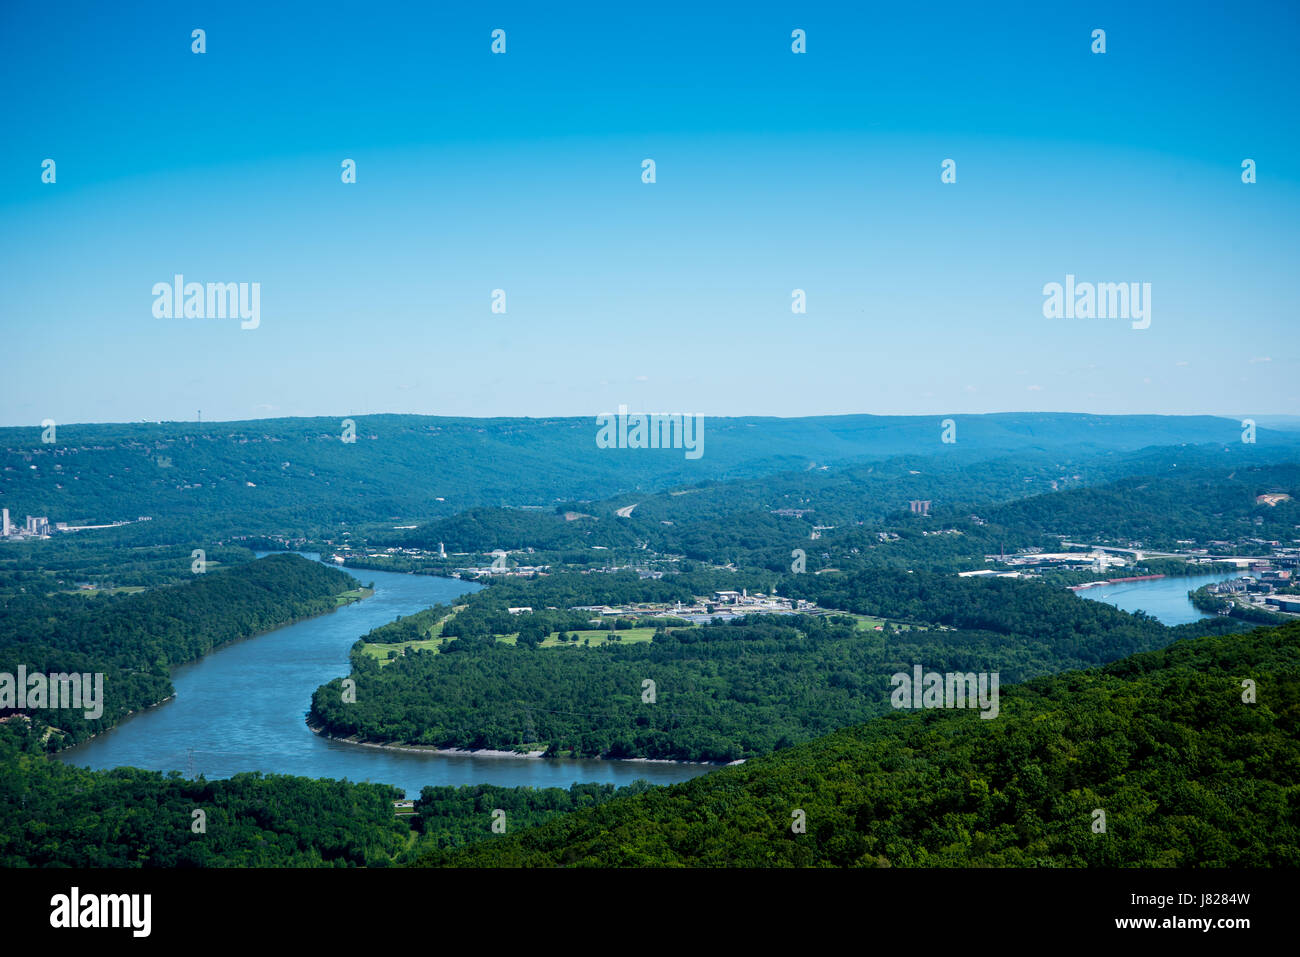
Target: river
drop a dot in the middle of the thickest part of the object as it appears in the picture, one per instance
(243, 708)
(1165, 598)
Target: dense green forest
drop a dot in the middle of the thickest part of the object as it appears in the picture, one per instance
(135, 639)
(60, 566)
(451, 817)
(1186, 772)
(723, 691)
(56, 815)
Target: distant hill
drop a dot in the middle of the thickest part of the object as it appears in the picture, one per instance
(1163, 494)
(1282, 423)
(1158, 510)
(298, 475)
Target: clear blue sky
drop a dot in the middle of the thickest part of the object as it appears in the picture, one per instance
(523, 172)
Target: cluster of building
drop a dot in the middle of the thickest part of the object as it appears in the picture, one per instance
(1096, 560)
(722, 605)
(36, 526)
(1261, 590)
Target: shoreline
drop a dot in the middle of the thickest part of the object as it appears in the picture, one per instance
(493, 753)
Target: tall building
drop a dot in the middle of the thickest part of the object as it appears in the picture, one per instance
(4, 523)
(920, 506)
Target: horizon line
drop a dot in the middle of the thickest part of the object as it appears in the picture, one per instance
(592, 416)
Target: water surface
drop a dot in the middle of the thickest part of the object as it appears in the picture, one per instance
(1165, 598)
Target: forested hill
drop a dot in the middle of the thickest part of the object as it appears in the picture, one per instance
(1166, 493)
(1186, 773)
(297, 475)
(134, 640)
(1200, 504)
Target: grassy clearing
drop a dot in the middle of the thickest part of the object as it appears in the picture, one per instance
(600, 637)
(586, 638)
(380, 652)
(92, 592)
(869, 622)
(351, 595)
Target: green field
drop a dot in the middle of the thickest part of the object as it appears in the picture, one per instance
(871, 623)
(380, 651)
(588, 637)
(868, 622)
(600, 637)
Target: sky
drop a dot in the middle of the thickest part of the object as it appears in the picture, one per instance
(522, 172)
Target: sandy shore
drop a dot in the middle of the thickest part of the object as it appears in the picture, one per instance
(489, 753)
(720, 764)
(429, 749)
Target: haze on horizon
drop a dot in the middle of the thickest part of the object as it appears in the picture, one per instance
(1278, 421)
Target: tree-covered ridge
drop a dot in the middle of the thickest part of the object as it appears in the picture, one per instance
(722, 691)
(134, 640)
(1186, 772)
(299, 476)
(857, 516)
(48, 571)
(1226, 503)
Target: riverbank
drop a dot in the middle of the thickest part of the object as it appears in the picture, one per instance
(342, 599)
(1117, 581)
(425, 748)
(491, 753)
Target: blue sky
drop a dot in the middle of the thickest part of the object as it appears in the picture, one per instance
(522, 172)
